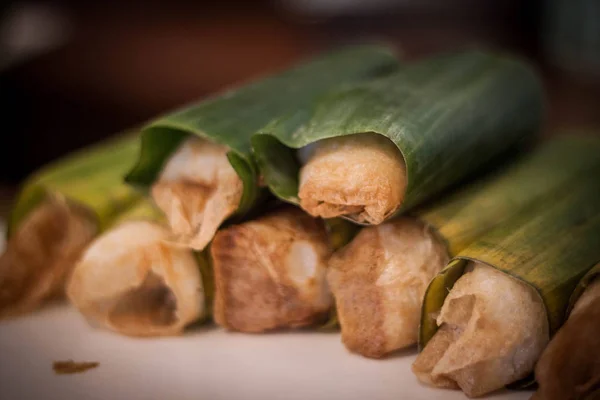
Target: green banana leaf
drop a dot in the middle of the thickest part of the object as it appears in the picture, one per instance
(232, 117)
(332, 323)
(468, 213)
(550, 246)
(92, 178)
(143, 209)
(208, 280)
(448, 115)
(341, 232)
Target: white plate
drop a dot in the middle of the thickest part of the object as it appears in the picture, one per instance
(205, 364)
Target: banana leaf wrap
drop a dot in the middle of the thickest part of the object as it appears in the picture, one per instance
(550, 246)
(448, 115)
(470, 212)
(91, 178)
(208, 281)
(57, 214)
(142, 210)
(341, 232)
(232, 117)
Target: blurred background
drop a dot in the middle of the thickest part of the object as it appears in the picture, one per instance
(72, 72)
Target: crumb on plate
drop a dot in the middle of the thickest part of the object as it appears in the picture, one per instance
(72, 367)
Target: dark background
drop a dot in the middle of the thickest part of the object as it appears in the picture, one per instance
(76, 71)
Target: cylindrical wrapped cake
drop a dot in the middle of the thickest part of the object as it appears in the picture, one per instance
(379, 279)
(488, 315)
(370, 150)
(57, 214)
(197, 161)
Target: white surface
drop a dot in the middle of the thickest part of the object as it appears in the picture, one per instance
(205, 364)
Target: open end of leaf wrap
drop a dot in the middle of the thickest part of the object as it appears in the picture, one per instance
(361, 177)
(569, 368)
(378, 281)
(492, 330)
(197, 190)
(132, 282)
(41, 254)
(270, 272)
(231, 118)
(448, 116)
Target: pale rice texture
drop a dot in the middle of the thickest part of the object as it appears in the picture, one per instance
(131, 281)
(493, 329)
(378, 281)
(270, 272)
(41, 254)
(197, 190)
(361, 176)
